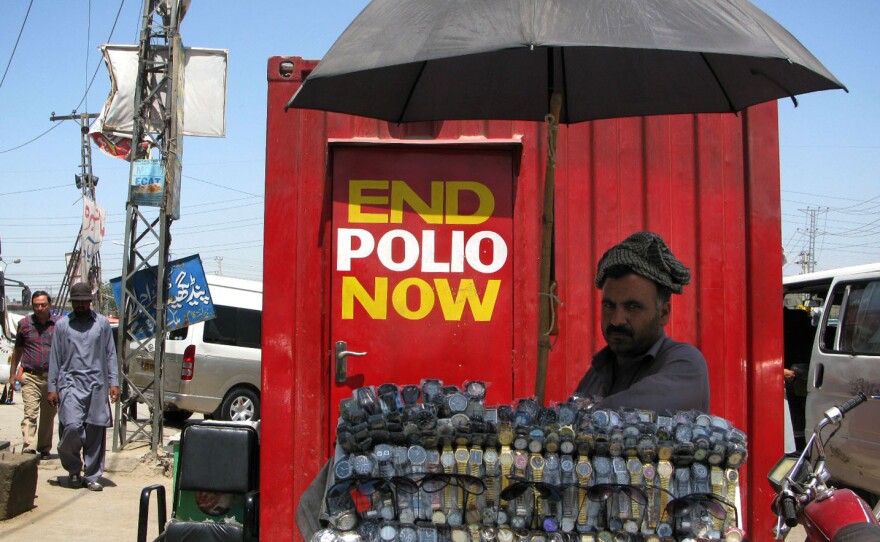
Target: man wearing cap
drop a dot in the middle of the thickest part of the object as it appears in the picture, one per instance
(33, 342)
(641, 367)
(82, 373)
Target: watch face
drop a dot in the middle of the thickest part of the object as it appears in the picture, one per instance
(410, 394)
(447, 459)
(457, 402)
(407, 534)
(476, 457)
(583, 468)
(566, 465)
(537, 462)
(602, 465)
(664, 468)
(566, 446)
(732, 476)
(600, 418)
(700, 470)
(475, 389)
(703, 420)
(683, 433)
(649, 472)
(491, 456)
(362, 465)
(505, 535)
(520, 461)
(461, 455)
(416, 455)
(460, 421)
(388, 532)
(634, 466)
(342, 469)
(505, 459)
(383, 453)
(425, 420)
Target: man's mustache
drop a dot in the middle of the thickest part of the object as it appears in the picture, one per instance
(623, 330)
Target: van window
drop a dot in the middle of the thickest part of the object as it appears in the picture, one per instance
(234, 326)
(178, 334)
(855, 315)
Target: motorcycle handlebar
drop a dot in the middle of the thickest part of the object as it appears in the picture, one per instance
(788, 511)
(852, 403)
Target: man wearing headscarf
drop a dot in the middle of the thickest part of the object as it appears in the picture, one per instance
(641, 367)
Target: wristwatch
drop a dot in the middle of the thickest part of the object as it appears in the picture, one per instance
(426, 534)
(621, 477)
(647, 448)
(664, 472)
(551, 469)
(700, 476)
(407, 534)
(567, 440)
(546, 416)
(475, 463)
(447, 460)
(388, 532)
(536, 440)
(551, 438)
(520, 462)
(649, 473)
(363, 465)
(490, 460)
(732, 480)
(366, 399)
(505, 459)
(634, 466)
(566, 476)
(736, 454)
(461, 461)
(584, 471)
(716, 478)
(682, 482)
(389, 395)
(384, 454)
(342, 469)
(431, 388)
(526, 410)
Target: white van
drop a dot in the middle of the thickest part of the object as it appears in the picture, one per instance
(213, 367)
(844, 361)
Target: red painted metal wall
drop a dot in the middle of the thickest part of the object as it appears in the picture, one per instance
(709, 184)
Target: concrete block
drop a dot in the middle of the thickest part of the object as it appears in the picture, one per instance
(18, 483)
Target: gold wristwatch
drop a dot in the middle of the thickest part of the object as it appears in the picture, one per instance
(536, 463)
(664, 471)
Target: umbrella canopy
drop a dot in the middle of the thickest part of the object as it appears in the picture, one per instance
(560, 61)
(404, 60)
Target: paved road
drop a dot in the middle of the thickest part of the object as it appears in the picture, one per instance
(61, 513)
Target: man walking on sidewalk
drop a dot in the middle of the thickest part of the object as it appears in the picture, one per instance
(82, 373)
(33, 342)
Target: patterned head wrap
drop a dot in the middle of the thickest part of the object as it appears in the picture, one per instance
(646, 254)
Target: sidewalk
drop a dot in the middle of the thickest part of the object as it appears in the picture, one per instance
(61, 513)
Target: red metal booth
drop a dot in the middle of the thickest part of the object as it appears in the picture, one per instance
(419, 245)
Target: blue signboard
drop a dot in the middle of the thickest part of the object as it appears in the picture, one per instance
(188, 301)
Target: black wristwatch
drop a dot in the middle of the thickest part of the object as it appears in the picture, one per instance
(526, 410)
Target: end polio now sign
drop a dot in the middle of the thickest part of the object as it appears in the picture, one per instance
(188, 298)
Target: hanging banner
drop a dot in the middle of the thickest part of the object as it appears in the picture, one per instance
(94, 218)
(147, 183)
(188, 296)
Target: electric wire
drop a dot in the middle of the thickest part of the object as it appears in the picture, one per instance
(17, 40)
(85, 95)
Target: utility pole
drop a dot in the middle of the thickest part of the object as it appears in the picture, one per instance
(85, 182)
(807, 258)
(158, 90)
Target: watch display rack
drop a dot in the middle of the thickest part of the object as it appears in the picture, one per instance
(433, 463)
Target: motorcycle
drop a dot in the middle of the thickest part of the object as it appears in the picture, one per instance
(803, 496)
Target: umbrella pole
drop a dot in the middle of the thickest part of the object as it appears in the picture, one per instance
(545, 296)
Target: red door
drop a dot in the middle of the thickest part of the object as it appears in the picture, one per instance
(422, 268)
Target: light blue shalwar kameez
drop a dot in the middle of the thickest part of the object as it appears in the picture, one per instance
(82, 367)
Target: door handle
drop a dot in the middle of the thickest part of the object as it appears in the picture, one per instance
(342, 361)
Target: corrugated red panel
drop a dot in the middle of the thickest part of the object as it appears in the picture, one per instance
(709, 184)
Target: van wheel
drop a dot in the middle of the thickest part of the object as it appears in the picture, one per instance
(176, 416)
(241, 405)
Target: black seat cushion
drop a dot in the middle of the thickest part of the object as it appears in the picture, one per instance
(203, 531)
(218, 458)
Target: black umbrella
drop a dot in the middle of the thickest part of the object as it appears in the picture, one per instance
(560, 61)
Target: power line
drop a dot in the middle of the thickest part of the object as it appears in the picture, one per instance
(20, 32)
